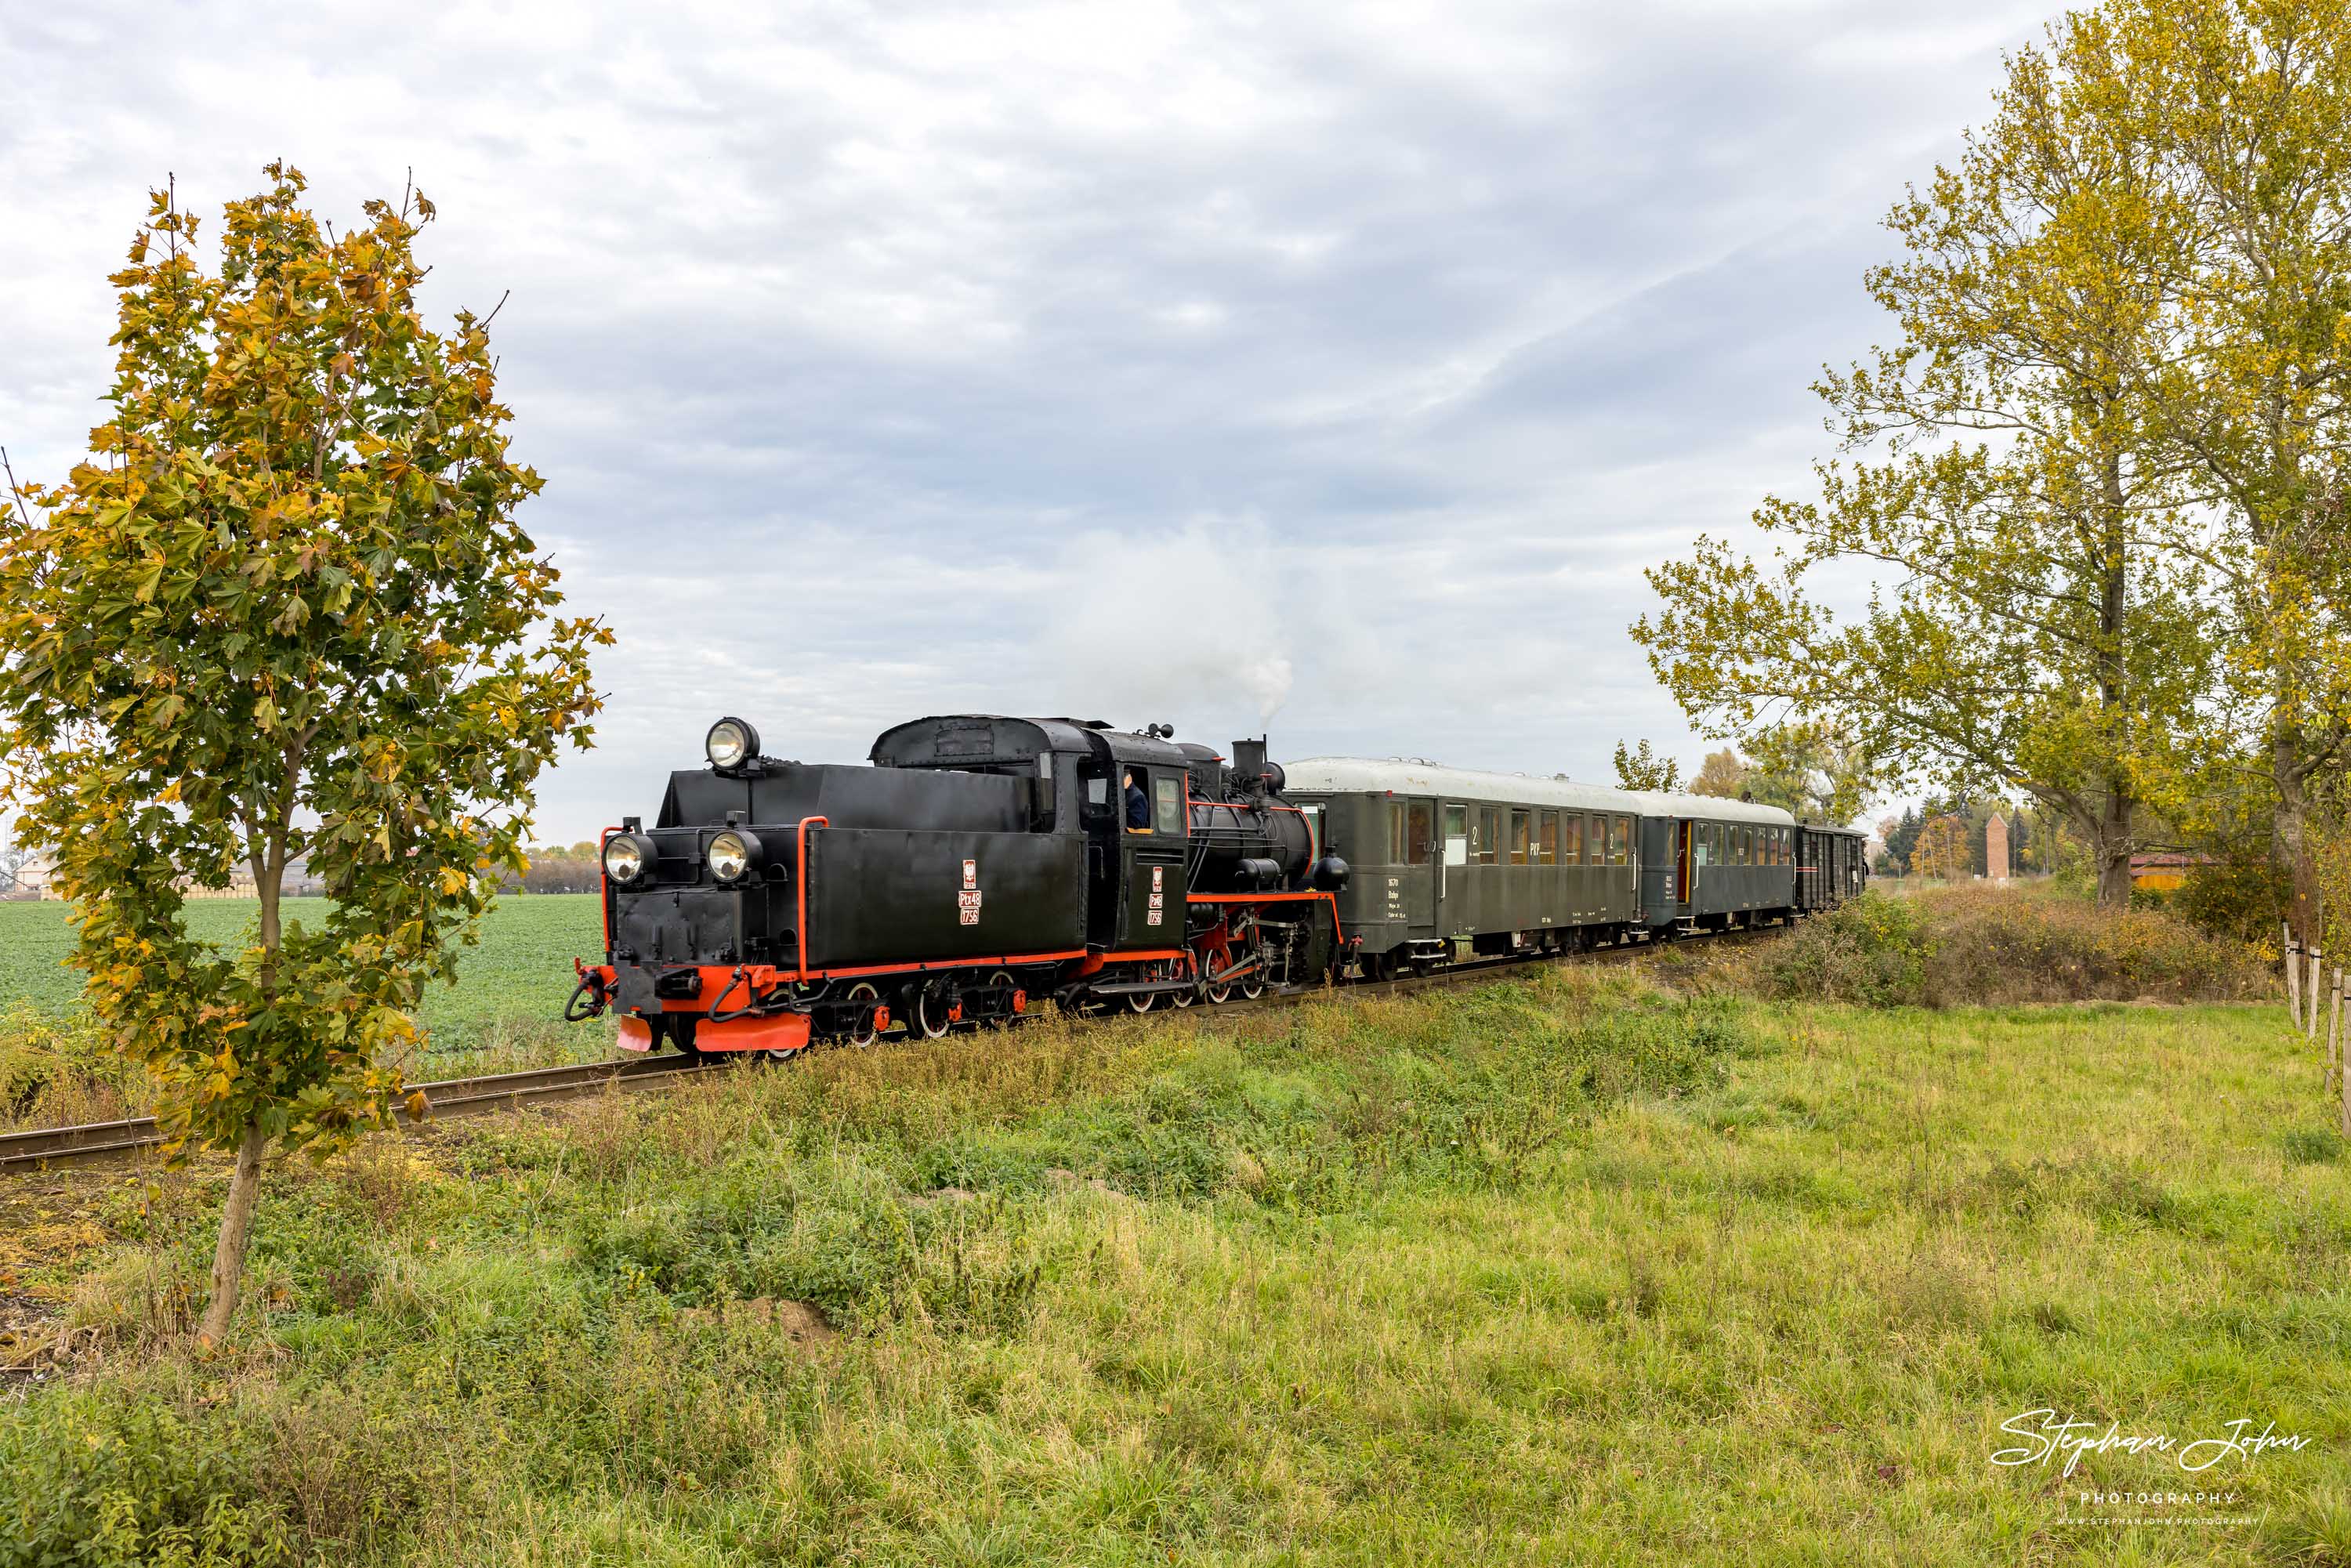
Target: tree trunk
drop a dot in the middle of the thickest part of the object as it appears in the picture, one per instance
(236, 1235)
(2113, 848)
(2293, 836)
(2114, 836)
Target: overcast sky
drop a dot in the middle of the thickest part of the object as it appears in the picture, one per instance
(1331, 370)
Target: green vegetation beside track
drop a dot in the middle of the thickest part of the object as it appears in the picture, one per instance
(1581, 1269)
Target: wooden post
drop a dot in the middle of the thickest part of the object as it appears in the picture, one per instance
(2293, 978)
(2317, 973)
(2332, 1055)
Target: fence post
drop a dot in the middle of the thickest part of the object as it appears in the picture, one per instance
(2317, 974)
(2293, 978)
(2331, 1054)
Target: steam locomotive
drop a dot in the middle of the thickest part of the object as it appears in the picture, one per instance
(983, 865)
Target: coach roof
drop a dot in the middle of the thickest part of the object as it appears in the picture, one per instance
(1357, 775)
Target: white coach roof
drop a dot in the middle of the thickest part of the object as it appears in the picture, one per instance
(1365, 776)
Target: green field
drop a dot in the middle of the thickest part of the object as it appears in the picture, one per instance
(509, 993)
(1571, 1270)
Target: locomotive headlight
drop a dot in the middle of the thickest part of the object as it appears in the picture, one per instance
(625, 857)
(730, 742)
(732, 855)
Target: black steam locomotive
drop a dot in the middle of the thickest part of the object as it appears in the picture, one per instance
(980, 865)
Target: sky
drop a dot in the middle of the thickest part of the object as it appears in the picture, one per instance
(1328, 372)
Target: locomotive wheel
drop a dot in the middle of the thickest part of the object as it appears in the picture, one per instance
(1002, 982)
(1219, 994)
(863, 995)
(930, 1019)
(1140, 1001)
(1251, 985)
(1184, 998)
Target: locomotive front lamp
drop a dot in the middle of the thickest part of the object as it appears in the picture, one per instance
(625, 857)
(732, 854)
(730, 742)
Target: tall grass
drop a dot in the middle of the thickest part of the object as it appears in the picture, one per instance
(1570, 1271)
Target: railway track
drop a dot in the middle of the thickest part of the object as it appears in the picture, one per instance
(97, 1143)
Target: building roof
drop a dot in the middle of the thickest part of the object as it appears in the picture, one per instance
(1358, 774)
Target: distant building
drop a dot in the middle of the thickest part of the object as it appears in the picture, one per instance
(298, 883)
(34, 879)
(2162, 872)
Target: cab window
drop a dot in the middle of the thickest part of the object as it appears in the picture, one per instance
(1168, 794)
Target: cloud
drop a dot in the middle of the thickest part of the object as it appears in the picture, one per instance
(1329, 369)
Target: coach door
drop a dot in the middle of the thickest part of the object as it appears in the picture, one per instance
(1682, 865)
(1412, 856)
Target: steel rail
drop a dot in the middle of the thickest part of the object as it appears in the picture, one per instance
(94, 1143)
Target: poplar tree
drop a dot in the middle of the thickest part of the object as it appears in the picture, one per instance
(2001, 477)
(283, 610)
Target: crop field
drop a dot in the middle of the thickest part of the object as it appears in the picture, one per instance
(505, 1004)
(1589, 1267)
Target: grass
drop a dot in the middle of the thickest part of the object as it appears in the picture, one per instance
(1576, 1269)
(504, 1011)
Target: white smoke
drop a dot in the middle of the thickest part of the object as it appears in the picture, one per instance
(1190, 627)
(1269, 680)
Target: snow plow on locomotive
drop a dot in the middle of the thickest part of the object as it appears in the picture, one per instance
(979, 866)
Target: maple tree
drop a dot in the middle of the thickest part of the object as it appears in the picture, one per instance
(283, 611)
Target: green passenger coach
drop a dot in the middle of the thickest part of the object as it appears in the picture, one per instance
(1450, 861)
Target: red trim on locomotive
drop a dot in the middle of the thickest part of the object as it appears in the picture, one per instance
(778, 1031)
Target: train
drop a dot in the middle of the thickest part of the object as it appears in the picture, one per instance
(978, 866)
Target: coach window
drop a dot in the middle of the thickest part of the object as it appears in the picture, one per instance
(1395, 833)
(1520, 837)
(1620, 834)
(1169, 794)
(1571, 852)
(1457, 835)
(1746, 846)
(1418, 820)
(1488, 844)
(1547, 850)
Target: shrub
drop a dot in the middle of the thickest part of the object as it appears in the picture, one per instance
(59, 1071)
(137, 1485)
(2241, 899)
(1986, 946)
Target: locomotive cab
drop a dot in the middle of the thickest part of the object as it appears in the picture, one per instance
(1136, 872)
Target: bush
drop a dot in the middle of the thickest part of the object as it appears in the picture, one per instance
(57, 1072)
(133, 1486)
(2242, 899)
(1989, 947)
